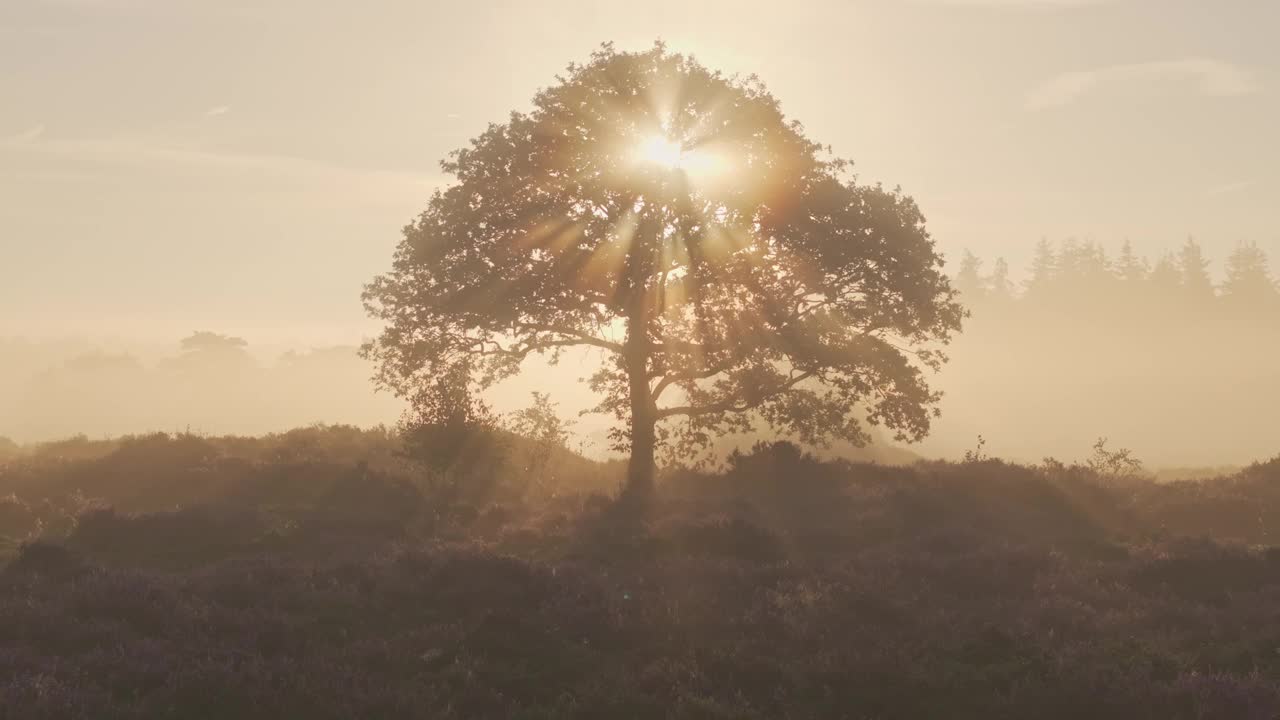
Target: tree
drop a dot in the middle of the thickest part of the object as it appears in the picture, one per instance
(1165, 277)
(727, 268)
(1044, 269)
(1083, 268)
(1248, 280)
(1114, 464)
(209, 351)
(969, 281)
(545, 432)
(998, 284)
(205, 341)
(450, 430)
(1129, 267)
(1197, 286)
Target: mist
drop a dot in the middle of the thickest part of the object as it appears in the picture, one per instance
(206, 383)
(1172, 359)
(722, 359)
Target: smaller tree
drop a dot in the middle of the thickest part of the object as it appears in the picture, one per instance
(969, 281)
(1084, 269)
(1044, 269)
(1165, 277)
(999, 287)
(772, 460)
(205, 341)
(978, 454)
(547, 434)
(1197, 286)
(1114, 464)
(1130, 268)
(206, 351)
(451, 431)
(1248, 280)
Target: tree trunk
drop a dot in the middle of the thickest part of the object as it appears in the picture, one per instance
(641, 467)
(637, 348)
(644, 414)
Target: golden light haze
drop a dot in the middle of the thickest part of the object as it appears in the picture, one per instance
(245, 167)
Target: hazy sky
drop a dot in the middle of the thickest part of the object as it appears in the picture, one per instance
(244, 166)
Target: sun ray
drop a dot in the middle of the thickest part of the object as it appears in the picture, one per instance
(604, 267)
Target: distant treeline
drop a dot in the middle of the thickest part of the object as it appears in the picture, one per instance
(1083, 275)
(211, 384)
(1156, 355)
(1175, 359)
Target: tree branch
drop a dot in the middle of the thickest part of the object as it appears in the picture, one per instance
(580, 337)
(671, 378)
(728, 404)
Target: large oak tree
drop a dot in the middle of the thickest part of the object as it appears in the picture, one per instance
(730, 270)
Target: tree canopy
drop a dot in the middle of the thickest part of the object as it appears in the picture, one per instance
(730, 269)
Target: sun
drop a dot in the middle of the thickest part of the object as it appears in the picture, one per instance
(662, 151)
(702, 166)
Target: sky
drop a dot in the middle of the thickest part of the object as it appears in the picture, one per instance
(245, 166)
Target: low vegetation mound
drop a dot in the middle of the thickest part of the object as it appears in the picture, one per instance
(326, 573)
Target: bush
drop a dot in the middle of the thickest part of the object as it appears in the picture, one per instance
(41, 558)
(17, 519)
(307, 579)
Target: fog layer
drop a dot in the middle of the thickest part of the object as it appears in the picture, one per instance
(1173, 358)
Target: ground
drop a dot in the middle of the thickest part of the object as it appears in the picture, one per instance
(316, 577)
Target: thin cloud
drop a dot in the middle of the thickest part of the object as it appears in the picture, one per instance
(1206, 76)
(26, 136)
(1026, 3)
(169, 156)
(217, 110)
(1230, 188)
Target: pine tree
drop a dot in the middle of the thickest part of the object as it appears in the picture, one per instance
(1248, 279)
(1094, 266)
(969, 278)
(1166, 277)
(1069, 261)
(1083, 271)
(1044, 269)
(1129, 267)
(999, 286)
(1197, 286)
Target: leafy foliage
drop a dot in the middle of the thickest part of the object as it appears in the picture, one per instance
(742, 273)
(548, 436)
(1114, 464)
(449, 429)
